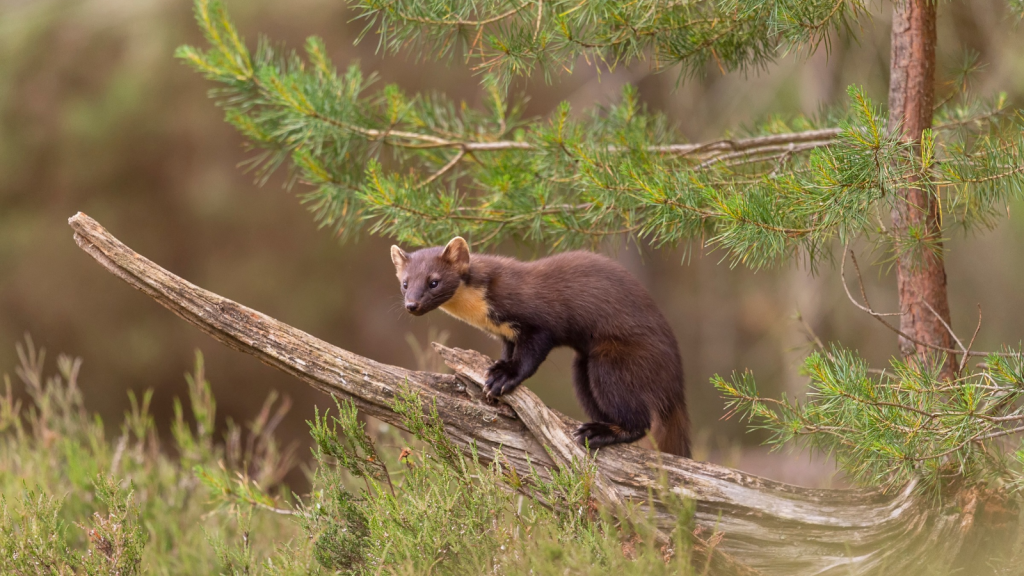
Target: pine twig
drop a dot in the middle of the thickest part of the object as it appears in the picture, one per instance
(881, 316)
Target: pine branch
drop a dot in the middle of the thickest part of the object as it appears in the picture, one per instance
(489, 175)
(508, 39)
(703, 151)
(886, 428)
(322, 120)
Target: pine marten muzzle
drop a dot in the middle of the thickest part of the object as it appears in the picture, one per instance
(627, 372)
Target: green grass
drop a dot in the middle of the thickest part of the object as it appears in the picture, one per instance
(74, 501)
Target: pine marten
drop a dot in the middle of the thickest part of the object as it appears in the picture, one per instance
(627, 372)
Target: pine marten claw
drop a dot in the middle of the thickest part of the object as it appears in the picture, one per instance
(501, 378)
(594, 434)
(600, 434)
(499, 386)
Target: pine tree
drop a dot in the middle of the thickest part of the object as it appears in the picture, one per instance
(422, 168)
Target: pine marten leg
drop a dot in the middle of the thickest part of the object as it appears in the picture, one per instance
(508, 347)
(581, 384)
(530, 349)
(622, 414)
(504, 364)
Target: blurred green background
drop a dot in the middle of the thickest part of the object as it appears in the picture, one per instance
(96, 116)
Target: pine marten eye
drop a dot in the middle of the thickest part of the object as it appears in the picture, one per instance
(405, 284)
(434, 283)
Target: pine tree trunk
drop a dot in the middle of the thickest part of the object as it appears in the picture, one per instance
(921, 274)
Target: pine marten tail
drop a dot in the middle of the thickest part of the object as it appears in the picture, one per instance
(600, 434)
(671, 432)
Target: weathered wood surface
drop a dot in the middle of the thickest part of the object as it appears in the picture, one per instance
(771, 527)
(554, 431)
(542, 422)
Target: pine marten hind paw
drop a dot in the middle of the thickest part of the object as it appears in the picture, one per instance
(600, 434)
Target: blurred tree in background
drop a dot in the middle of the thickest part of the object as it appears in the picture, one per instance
(96, 117)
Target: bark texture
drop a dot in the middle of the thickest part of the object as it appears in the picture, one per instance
(920, 274)
(759, 526)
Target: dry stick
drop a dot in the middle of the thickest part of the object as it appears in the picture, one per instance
(963, 361)
(807, 140)
(540, 15)
(860, 283)
(811, 333)
(775, 528)
(880, 316)
(947, 327)
(952, 334)
(451, 163)
(709, 152)
(818, 137)
(749, 155)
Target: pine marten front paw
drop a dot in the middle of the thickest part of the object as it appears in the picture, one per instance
(501, 378)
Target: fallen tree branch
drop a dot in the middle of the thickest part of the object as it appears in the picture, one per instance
(544, 423)
(771, 527)
(551, 428)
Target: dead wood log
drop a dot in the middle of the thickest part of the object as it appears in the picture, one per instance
(771, 527)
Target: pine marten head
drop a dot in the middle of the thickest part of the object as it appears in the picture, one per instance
(431, 276)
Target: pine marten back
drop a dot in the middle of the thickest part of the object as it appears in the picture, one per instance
(627, 372)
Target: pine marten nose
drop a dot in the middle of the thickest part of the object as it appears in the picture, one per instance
(412, 306)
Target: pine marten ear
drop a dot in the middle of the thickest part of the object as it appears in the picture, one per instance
(457, 253)
(399, 258)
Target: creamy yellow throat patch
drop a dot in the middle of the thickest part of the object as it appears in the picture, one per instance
(470, 306)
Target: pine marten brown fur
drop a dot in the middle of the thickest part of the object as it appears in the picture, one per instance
(627, 373)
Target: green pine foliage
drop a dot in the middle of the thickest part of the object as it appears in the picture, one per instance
(73, 501)
(422, 168)
(509, 38)
(906, 423)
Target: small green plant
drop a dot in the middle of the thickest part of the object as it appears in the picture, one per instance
(443, 511)
(33, 536)
(116, 538)
(73, 501)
